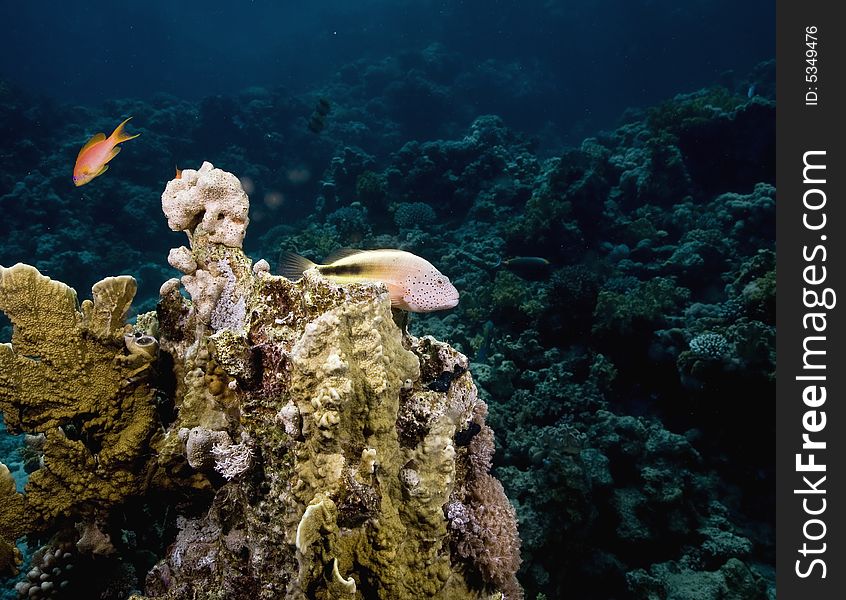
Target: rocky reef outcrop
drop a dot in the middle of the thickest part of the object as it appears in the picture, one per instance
(252, 438)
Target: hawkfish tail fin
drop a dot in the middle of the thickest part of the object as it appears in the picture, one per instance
(119, 135)
(292, 266)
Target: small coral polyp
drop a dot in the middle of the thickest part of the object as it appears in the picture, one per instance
(318, 449)
(710, 345)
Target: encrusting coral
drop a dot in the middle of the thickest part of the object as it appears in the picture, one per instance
(330, 453)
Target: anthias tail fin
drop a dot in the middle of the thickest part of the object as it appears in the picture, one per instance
(292, 266)
(119, 135)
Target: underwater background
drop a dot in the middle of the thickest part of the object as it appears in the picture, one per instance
(595, 177)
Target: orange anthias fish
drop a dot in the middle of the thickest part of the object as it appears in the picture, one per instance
(94, 155)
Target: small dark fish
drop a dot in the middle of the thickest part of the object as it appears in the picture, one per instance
(316, 123)
(323, 107)
(751, 91)
(532, 268)
(317, 120)
(485, 346)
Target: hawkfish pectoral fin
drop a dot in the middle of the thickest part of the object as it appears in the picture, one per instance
(397, 292)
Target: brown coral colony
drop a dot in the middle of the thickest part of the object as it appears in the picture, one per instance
(307, 446)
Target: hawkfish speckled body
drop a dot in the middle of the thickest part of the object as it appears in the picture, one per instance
(414, 284)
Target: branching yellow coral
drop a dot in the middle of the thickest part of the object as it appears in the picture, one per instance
(60, 377)
(13, 522)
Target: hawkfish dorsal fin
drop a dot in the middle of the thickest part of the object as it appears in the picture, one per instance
(340, 253)
(95, 139)
(292, 266)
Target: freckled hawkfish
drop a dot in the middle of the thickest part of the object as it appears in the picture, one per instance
(414, 284)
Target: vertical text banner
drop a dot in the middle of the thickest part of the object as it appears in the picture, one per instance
(811, 364)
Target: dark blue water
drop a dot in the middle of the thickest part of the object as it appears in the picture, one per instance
(576, 64)
(629, 145)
